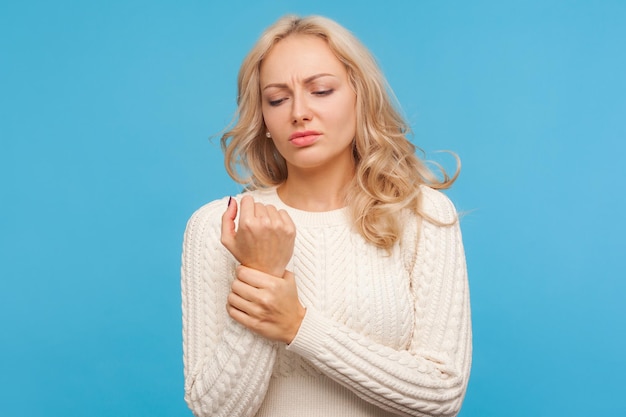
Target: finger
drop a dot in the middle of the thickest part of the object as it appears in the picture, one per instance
(228, 223)
(254, 278)
(238, 315)
(244, 290)
(241, 304)
(273, 215)
(260, 211)
(246, 209)
(248, 321)
(289, 224)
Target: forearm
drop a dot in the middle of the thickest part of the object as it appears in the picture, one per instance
(233, 379)
(427, 374)
(227, 367)
(414, 383)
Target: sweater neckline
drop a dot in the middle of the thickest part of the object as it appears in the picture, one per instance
(302, 217)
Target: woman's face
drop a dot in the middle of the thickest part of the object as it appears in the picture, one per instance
(308, 104)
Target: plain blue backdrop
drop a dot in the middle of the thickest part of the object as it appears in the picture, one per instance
(106, 111)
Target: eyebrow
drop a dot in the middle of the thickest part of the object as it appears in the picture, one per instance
(307, 80)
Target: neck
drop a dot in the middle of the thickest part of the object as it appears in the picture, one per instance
(316, 190)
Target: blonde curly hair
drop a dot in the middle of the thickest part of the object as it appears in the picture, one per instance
(388, 173)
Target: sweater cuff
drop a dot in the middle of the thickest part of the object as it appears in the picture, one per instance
(311, 335)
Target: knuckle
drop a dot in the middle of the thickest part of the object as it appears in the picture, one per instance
(289, 233)
(265, 300)
(230, 299)
(257, 323)
(246, 223)
(273, 287)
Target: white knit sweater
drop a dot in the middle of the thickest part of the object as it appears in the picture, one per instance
(383, 334)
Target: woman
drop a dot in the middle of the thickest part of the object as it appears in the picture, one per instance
(336, 285)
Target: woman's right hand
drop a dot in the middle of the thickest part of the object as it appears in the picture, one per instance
(264, 239)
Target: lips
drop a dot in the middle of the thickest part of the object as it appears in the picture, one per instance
(304, 138)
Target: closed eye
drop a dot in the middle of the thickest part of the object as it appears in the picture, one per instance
(323, 92)
(276, 102)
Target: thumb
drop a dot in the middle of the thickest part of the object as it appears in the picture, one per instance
(228, 224)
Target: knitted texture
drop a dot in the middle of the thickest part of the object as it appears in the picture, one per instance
(384, 334)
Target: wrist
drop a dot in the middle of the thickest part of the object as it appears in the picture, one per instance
(297, 323)
(278, 272)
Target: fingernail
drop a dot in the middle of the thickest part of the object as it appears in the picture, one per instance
(229, 200)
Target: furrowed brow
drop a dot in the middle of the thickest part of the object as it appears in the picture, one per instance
(307, 80)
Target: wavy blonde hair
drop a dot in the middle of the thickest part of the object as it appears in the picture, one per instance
(388, 172)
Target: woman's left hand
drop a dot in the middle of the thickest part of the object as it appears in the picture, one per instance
(266, 304)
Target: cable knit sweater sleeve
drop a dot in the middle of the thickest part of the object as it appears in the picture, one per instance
(227, 368)
(428, 378)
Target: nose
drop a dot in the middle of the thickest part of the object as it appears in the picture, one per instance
(300, 110)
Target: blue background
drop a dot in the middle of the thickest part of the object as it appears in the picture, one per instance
(106, 110)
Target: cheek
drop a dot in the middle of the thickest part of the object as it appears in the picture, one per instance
(276, 118)
(348, 106)
(338, 111)
(347, 115)
(269, 114)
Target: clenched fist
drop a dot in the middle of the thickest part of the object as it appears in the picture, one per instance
(264, 239)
